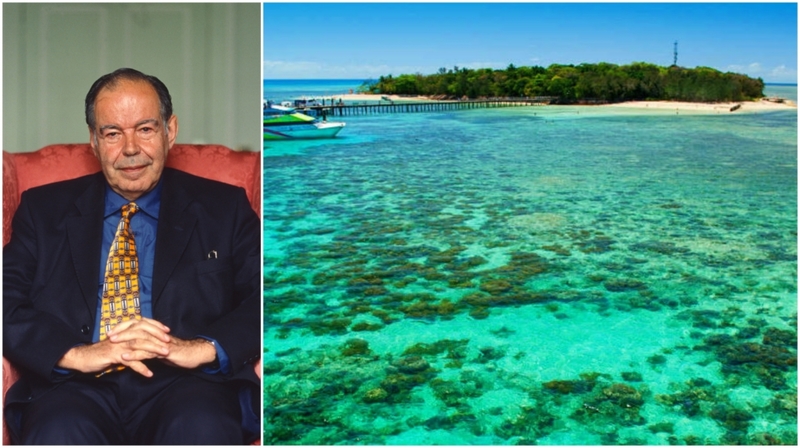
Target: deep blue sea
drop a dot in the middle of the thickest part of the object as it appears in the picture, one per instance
(532, 275)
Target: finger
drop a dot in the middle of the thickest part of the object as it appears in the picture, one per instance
(137, 329)
(151, 324)
(141, 355)
(139, 333)
(122, 326)
(157, 348)
(139, 340)
(142, 322)
(140, 368)
(156, 323)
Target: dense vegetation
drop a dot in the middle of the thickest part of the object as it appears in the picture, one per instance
(575, 84)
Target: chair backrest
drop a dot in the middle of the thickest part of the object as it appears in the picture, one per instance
(54, 163)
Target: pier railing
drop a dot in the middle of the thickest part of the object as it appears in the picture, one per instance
(342, 110)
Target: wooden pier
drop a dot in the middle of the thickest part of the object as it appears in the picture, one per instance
(337, 110)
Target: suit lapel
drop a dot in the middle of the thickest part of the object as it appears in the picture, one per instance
(175, 226)
(85, 236)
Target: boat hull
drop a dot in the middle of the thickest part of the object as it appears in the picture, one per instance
(302, 131)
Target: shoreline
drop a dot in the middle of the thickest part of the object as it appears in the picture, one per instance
(762, 105)
(727, 107)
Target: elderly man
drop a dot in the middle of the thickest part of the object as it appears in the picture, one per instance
(131, 297)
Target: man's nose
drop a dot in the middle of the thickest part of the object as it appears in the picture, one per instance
(130, 146)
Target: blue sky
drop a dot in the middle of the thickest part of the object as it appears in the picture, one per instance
(367, 40)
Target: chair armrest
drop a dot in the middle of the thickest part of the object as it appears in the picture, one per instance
(10, 194)
(10, 376)
(259, 371)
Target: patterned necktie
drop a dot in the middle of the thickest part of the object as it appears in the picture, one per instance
(120, 300)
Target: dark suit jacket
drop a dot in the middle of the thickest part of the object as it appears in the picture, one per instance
(51, 267)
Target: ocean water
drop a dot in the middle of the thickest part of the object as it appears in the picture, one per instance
(538, 275)
(279, 90)
(785, 91)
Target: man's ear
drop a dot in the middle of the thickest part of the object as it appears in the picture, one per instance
(172, 126)
(93, 143)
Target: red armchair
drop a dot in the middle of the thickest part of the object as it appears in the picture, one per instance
(53, 163)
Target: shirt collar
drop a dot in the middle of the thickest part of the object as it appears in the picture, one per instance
(149, 202)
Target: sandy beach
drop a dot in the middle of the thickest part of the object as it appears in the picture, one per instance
(676, 106)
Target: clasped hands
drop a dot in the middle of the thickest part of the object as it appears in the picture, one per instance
(131, 342)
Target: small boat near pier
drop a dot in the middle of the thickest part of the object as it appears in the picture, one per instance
(285, 123)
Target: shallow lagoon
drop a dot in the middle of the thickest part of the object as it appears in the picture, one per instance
(543, 275)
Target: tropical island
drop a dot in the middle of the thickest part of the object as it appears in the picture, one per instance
(576, 84)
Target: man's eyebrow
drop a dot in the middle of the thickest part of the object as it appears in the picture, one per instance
(109, 126)
(117, 127)
(147, 121)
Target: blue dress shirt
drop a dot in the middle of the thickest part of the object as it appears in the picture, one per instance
(144, 224)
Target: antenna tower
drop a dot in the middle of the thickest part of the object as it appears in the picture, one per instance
(675, 54)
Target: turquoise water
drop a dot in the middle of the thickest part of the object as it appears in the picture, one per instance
(541, 275)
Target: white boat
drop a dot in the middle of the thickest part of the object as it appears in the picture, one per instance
(282, 123)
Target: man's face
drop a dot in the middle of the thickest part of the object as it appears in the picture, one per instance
(131, 140)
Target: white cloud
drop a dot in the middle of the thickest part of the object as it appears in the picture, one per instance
(322, 70)
(780, 73)
(316, 70)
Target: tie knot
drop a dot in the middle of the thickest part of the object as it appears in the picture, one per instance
(129, 209)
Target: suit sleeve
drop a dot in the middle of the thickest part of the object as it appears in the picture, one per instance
(238, 332)
(33, 338)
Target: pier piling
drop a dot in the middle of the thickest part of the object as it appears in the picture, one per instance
(337, 110)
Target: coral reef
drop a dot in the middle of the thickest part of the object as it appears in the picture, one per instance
(613, 288)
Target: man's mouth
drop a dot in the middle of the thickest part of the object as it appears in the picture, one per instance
(132, 169)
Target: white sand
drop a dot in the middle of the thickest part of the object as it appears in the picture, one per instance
(677, 106)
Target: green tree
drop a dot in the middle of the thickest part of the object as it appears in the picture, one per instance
(407, 85)
(601, 81)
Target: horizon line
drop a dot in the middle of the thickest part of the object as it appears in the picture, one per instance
(775, 83)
